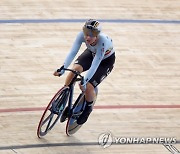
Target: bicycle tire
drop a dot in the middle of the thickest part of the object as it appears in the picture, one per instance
(77, 109)
(50, 117)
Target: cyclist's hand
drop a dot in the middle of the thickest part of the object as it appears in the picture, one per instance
(56, 73)
(59, 71)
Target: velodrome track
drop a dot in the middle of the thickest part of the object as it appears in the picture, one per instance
(140, 98)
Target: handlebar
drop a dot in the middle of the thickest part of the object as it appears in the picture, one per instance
(77, 73)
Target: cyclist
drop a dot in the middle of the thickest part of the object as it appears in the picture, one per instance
(98, 59)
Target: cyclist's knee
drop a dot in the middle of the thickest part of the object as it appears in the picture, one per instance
(78, 67)
(90, 88)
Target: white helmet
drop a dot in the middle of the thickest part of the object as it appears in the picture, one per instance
(92, 27)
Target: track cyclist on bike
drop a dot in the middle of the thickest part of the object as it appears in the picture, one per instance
(98, 59)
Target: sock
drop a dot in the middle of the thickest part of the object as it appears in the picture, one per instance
(89, 103)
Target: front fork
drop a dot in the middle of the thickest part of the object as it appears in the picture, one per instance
(70, 98)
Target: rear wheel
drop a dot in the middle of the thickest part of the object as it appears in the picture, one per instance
(53, 112)
(77, 109)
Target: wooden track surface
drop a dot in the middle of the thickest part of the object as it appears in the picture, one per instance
(140, 98)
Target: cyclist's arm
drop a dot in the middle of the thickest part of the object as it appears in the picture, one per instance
(74, 50)
(95, 64)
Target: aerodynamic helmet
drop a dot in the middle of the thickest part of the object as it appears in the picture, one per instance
(92, 28)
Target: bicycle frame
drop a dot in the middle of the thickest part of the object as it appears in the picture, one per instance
(71, 88)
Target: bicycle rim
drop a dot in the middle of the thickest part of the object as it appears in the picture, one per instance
(49, 117)
(72, 126)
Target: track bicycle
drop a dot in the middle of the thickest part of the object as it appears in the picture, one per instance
(61, 107)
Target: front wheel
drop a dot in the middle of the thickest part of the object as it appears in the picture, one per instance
(53, 112)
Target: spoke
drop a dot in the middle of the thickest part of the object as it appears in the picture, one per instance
(47, 128)
(47, 119)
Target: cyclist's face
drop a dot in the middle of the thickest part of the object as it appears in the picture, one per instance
(90, 39)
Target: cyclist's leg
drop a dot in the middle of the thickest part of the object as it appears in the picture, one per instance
(90, 93)
(102, 72)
